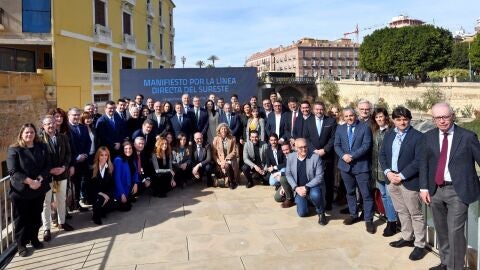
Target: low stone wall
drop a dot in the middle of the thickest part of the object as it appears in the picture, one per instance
(458, 95)
(22, 99)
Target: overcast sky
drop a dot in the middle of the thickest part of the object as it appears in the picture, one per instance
(235, 29)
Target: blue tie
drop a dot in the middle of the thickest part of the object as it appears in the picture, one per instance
(350, 136)
(319, 126)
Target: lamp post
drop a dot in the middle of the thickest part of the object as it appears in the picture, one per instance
(184, 59)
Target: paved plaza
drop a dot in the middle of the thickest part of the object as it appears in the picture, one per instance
(215, 228)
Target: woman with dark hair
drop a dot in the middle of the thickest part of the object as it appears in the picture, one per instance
(87, 119)
(61, 120)
(145, 113)
(212, 120)
(182, 160)
(170, 139)
(102, 184)
(163, 175)
(255, 122)
(28, 164)
(380, 124)
(126, 177)
(168, 109)
(244, 116)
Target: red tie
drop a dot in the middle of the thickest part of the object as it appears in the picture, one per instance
(442, 161)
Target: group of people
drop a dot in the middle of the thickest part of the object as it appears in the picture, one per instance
(298, 147)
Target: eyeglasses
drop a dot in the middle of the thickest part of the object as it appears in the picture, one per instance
(444, 117)
(302, 147)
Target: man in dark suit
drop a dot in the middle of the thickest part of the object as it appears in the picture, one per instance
(254, 158)
(80, 144)
(399, 157)
(202, 159)
(186, 106)
(284, 193)
(111, 129)
(291, 117)
(147, 133)
(121, 109)
(276, 122)
(299, 127)
(320, 133)
(275, 161)
(181, 122)
(449, 182)
(353, 141)
(304, 173)
(232, 120)
(200, 117)
(266, 108)
(161, 122)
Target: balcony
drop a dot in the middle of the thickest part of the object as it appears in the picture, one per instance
(174, 59)
(129, 2)
(172, 31)
(129, 42)
(162, 23)
(150, 10)
(100, 78)
(151, 49)
(162, 56)
(102, 34)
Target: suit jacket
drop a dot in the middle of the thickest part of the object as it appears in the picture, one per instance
(235, 124)
(408, 158)
(122, 115)
(200, 124)
(260, 128)
(362, 143)
(300, 126)
(205, 155)
(108, 133)
(123, 178)
(217, 149)
(149, 138)
(314, 168)
(288, 123)
(271, 159)
(271, 126)
(160, 128)
(464, 152)
(23, 162)
(60, 153)
(80, 143)
(249, 154)
(327, 136)
(185, 126)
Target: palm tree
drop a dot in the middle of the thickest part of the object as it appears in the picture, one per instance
(213, 58)
(200, 63)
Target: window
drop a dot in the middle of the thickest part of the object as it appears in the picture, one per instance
(160, 9)
(171, 19)
(17, 60)
(171, 49)
(36, 16)
(161, 43)
(127, 23)
(100, 98)
(47, 60)
(149, 33)
(100, 13)
(161, 67)
(100, 62)
(149, 64)
(127, 62)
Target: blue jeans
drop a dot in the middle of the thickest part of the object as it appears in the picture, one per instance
(315, 196)
(362, 180)
(272, 180)
(387, 202)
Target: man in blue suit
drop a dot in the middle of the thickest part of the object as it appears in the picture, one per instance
(232, 120)
(304, 172)
(111, 129)
(276, 123)
(181, 122)
(449, 182)
(200, 117)
(400, 157)
(353, 141)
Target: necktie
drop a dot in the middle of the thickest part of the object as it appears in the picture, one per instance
(294, 116)
(54, 141)
(228, 120)
(442, 161)
(275, 156)
(139, 164)
(350, 137)
(197, 115)
(198, 151)
(77, 129)
(319, 126)
(112, 121)
(180, 120)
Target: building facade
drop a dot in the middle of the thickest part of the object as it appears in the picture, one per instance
(402, 21)
(80, 46)
(310, 58)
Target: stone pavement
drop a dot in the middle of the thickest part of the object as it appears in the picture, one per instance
(215, 228)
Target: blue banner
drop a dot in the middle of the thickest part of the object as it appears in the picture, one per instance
(170, 84)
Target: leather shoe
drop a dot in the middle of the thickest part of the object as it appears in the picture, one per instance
(322, 219)
(345, 211)
(417, 254)
(36, 244)
(47, 236)
(23, 251)
(370, 227)
(66, 227)
(401, 243)
(287, 203)
(350, 220)
(438, 267)
(249, 184)
(233, 185)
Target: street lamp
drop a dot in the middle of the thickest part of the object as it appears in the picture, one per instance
(183, 61)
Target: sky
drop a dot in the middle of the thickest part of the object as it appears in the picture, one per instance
(235, 29)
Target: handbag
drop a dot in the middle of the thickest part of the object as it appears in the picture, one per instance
(377, 196)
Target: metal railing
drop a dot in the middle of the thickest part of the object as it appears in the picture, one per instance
(8, 245)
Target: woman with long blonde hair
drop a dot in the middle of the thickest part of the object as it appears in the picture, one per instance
(162, 176)
(225, 154)
(102, 184)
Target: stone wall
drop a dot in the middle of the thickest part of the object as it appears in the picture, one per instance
(458, 95)
(22, 99)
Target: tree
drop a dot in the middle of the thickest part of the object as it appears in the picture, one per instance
(329, 90)
(475, 52)
(459, 58)
(432, 96)
(405, 51)
(200, 63)
(213, 58)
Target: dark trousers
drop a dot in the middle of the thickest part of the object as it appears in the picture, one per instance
(249, 173)
(287, 188)
(27, 215)
(229, 172)
(80, 179)
(315, 196)
(161, 184)
(362, 180)
(182, 176)
(207, 171)
(99, 209)
(329, 177)
(449, 216)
